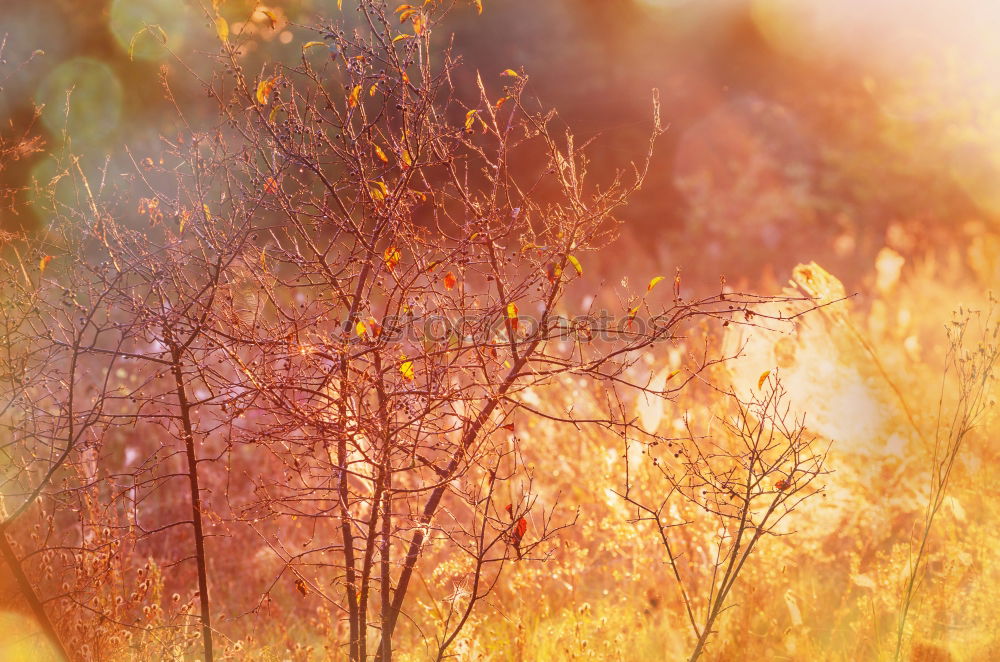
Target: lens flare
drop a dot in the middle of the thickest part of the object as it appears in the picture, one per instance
(82, 97)
(140, 26)
(21, 640)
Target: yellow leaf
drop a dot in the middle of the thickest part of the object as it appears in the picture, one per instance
(371, 90)
(510, 72)
(576, 264)
(406, 13)
(479, 5)
(273, 114)
(406, 370)
(470, 119)
(263, 259)
(264, 88)
(512, 315)
(673, 373)
(272, 19)
(653, 283)
(392, 257)
(222, 29)
(360, 329)
(380, 153)
(352, 100)
(184, 218)
(407, 159)
(44, 262)
(401, 37)
(378, 191)
(418, 24)
(340, 4)
(450, 281)
(402, 8)
(208, 214)
(763, 378)
(309, 44)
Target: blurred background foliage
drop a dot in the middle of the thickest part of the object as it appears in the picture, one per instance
(797, 129)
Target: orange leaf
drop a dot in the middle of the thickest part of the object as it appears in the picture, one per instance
(271, 18)
(512, 315)
(470, 119)
(271, 185)
(44, 262)
(450, 281)
(631, 315)
(264, 88)
(352, 100)
(302, 587)
(479, 5)
(763, 378)
(380, 153)
(391, 257)
(510, 72)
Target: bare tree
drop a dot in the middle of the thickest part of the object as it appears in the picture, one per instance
(964, 398)
(745, 480)
(330, 303)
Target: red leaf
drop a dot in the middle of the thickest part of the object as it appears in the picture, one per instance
(520, 529)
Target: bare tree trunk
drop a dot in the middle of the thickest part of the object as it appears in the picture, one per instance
(386, 576)
(199, 532)
(348, 540)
